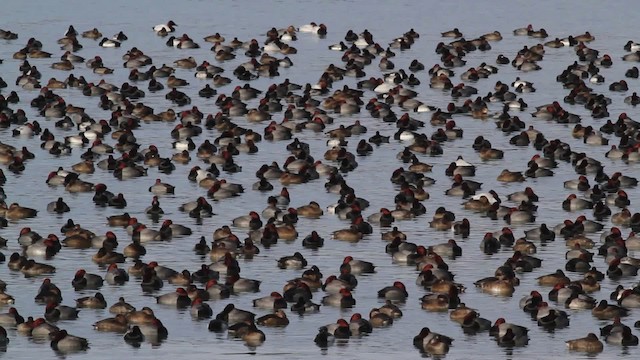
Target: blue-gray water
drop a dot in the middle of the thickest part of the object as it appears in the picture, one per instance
(47, 21)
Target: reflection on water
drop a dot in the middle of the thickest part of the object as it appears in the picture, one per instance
(386, 21)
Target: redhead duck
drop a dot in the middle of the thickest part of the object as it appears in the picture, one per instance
(33, 268)
(251, 221)
(606, 311)
(41, 329)
(359, 326)
(234, 315)
(352, 234)
(552, 279)
(461, 313)
(472, 323)
(239, 284)
(154, 330)
(342, 299)
(48, 292)
(216, 290)
(377, 319)
(45, 247)
(623, 337)
(63, 342)
(11, 318)
(440, 301)
(274, 301)
(106, 255)
(390, 309)
(503, 330)
(393, 233)
(511, 176)
(432, 343)
(200, 310)
(55, 312)
(572, 203)
(296, 261)
(82, 280)
(443, 222)
(496, 286)
(17, 212)
(121, 307)
(450, 248)
(550, 318)
(139, 317)
(160, 188)
(359, 266)
(334, 285)
(515, 216)
(116, 324)
(312, 210)
(313, 241)
(115, 275)
(397, 292)
(94, 34)
(277, 319)
(93, 302)
(179, 298)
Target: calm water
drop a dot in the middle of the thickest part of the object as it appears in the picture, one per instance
(247, 20)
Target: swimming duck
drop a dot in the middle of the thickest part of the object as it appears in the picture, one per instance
(431, 342)
(169, 27)
(397, 292)
(66, 343)
(94, 302)
(342, 299)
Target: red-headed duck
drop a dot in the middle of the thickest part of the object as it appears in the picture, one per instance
(121, 307)
(64, 342)
(588, 344)
(93, 302)
(397, 292)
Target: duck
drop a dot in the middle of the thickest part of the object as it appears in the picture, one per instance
(277, 319)
(93, 302)
(324, 339)
(33, 268)
(588, 344)
(251, 221)
(359, 266)
(85, 281)
(118, 324)
(55, 312)
(623, 337)
(431, 342)
(511, 176)
(342, 299)
(507, 333)
(573, 203)
(455, 33)
(606, 311)
(178, 298)
(64, 342)
(154, 330)
(296, 261)
(397, 292)
(11, 318)
(239, 284)
(496, 286)
(109, 43)
(169, 27)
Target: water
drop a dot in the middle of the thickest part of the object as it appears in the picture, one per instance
(247, 20)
